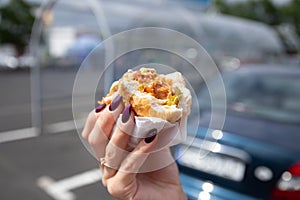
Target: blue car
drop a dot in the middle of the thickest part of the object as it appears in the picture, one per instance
(256, 155)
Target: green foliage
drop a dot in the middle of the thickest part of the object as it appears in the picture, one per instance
(16, 23)
(259, 10)
(263, 11)
(290, 14)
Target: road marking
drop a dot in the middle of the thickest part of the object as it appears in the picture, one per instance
(61, 190)
(18, 134)
(64, 126)
(24, 133)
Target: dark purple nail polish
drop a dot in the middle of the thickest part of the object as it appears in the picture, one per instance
(100, 107)
(115, 103)
(150, 139)
(151, 136)
(126, 113)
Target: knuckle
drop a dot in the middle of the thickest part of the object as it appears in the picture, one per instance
(114, 190)
(128, 166)
(105, 124)
(110, 152)
(104, 182)
(92, 140)
(120, 189)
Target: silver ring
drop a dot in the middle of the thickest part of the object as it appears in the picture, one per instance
(102, 161)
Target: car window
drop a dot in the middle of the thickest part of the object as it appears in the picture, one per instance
(272, 97)
(229, 36)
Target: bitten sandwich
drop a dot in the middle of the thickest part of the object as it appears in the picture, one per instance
(152, 94)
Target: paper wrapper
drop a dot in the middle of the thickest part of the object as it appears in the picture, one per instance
(169, 133)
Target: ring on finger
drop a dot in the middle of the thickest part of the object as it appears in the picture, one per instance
(102, 161)
(105, 163)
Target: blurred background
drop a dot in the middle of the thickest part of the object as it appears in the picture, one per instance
(254, 43)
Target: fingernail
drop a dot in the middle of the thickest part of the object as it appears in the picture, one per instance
(126, 113)
(100, 107)
(151, 136)
(115, 103)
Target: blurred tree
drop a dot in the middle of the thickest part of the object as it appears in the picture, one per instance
(16, 23)
(259, 10)
(264, 11)
(286, 15)
(291, 15)
(271, 13)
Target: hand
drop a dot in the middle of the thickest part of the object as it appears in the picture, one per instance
(125, 169)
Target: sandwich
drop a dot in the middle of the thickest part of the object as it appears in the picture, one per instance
(163, 96)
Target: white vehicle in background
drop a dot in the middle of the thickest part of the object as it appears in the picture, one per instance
(233, 41)
(10, 61)
(8, 58)
(229, 40)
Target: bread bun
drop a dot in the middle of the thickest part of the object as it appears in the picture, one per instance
(152, 94)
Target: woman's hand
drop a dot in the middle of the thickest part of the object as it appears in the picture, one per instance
(125, 169)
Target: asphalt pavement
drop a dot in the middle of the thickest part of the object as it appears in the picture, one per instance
(24, 162)
(56, 97)
(51, 166)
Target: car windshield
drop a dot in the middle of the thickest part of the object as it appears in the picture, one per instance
(272, 97)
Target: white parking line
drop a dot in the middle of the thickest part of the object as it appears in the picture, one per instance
(24, 133)
(18, 134)
(64, 126)
(61, 190)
